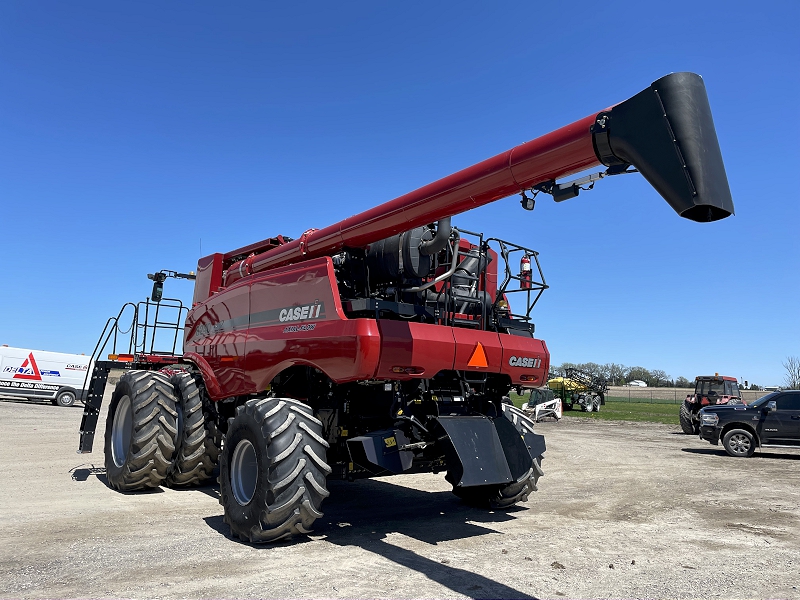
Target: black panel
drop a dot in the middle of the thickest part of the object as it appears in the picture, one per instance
(379, 451)
(475, 455)
(514, 447)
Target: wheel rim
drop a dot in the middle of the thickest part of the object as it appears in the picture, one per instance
(244, 472)
(121, 431)
(66, 399)
(740, 443)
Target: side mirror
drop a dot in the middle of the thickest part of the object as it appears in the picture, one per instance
(158, 291)
(771, 406)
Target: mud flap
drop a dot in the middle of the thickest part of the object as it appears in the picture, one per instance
(379, 451)
(484, 451)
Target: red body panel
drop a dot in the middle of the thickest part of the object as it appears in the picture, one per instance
(427, 347)
(535, 362)
(208, 277)
(467, 341)
(242, 337)
(217, 330)
(322, 337)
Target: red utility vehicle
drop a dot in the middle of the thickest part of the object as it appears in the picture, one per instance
(708, 391)
(384, 343)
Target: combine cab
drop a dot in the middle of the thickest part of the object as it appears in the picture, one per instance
(709, 390)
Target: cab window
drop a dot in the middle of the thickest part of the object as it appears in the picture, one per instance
(788, 402)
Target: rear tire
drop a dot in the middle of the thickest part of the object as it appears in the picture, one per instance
(273, 470)
(198, 441)
(739, 443)
(507, 495)
(141, 430)
(65, 398)
(687, 423)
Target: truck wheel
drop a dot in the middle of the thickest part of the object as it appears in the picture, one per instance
(687, 423)
(141, 430)
(65, 398)
(197, 448)
(739, 443)
(272, 470)
(509, 494)
(596, 404)
(589, 406)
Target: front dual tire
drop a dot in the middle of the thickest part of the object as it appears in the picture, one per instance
(141, 430)
(157, 433)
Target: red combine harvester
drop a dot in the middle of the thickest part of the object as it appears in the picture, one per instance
(382, 344)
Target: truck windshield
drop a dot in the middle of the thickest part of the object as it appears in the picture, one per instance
(709, 388)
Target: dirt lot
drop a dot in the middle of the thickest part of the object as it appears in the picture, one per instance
(623, 511)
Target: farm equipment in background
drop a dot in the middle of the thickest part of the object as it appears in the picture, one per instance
(543, 404)
(709, 390)
(579, 388)
(383, 344)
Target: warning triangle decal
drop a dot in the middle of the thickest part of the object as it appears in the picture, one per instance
(478, 358)
(28, 370)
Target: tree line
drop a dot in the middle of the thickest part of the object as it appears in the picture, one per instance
(617, 374)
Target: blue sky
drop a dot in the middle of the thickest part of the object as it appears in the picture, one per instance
(130, 134)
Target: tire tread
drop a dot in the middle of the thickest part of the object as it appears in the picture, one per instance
(294, 456)
(150, 457)
(199, 444)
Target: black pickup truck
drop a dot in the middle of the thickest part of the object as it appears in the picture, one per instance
(772, 421)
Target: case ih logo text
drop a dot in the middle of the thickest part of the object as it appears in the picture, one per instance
(28, 370)
(524, 361)
(300, 313)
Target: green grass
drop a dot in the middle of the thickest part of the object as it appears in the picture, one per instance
(623, 411)
(623, 400)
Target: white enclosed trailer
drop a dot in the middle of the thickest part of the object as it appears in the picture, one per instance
(36, 374)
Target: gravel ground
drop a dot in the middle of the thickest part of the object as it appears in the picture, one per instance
(624, 511)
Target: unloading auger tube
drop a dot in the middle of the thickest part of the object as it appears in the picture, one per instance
(382, 345)
(665, 131)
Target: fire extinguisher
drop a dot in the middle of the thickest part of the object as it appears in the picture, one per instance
(525, 272)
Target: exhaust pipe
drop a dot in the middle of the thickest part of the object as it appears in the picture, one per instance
(439, 240)
(667, 133)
